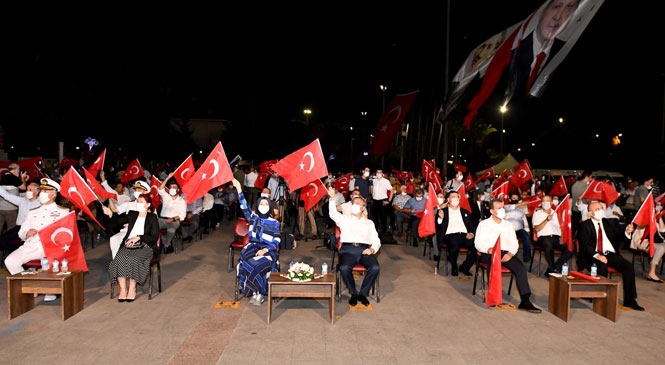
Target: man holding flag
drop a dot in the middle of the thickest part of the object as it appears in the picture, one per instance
(37, 219)
(600, 240)
(487, 233)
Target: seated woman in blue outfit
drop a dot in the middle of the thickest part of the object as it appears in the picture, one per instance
(260, 256)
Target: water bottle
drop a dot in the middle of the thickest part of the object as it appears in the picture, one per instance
(324, 268)
(64, 265)
(594, 270)
(56, 265)
(44, 263)
(564, 269)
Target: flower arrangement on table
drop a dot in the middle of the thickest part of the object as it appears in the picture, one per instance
(301, 271)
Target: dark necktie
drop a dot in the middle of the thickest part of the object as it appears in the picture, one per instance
(534, 72)
(600, 240)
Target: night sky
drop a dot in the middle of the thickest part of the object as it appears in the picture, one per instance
(123, 73)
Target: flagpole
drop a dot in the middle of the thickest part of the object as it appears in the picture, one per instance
(447, 62)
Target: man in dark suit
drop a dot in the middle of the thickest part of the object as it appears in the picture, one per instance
(605, 252)
(455, 228)
(479, 208)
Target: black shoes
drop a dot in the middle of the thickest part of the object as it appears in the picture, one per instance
(363, 299)
(529, 307)
(122, 300)
(634, 306)
(168, 249)
(188, 239)
(354, 300)
(454, 272)
(465, 272)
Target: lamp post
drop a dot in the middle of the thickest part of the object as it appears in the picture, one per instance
(307, 113)
(503, 109)
(383, 89)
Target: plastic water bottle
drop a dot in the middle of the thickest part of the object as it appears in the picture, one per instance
(64, 265)
(324, 268)
(44, 263)
(564, 269)
(594, 270)
(56, 265)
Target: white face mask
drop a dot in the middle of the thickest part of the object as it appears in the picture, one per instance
(379, 175)
(459, 178)
(419, 198)
(555, 202)
(649, 187)
(454, 202)
(355, 208)
(137, 194)
(501, 213)
(173, 192)
(29, 194)
(598, 215)
(440, 200)
(546, 205)
(43, 198)
(366, 173)
(404, 193)
(263, 209)
(141, 207)
(659, 208)
(265, 195)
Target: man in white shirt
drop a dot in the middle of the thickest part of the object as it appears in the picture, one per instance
(24, 203)
(487, 233)
(251, 192)
(382, 193)
(174, 210)
(547, 227)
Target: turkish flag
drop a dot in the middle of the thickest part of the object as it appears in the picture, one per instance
(463, 199)
(342, 183)
(559, 187)
(533, 202)
(564, 214)
(403, 175)
(312, 193)
(426, 226)
(499, 180)
(646, 217)
(459, 167)
(132, 172)
(261, 179)
(427, 166)
(32, 166)
(77, 191)
(96, 187)
(68, 161)
(390, 123)
(469, 184)
(214, 171)
(154, 191)
(185, 171)
(266, 166)
(486, 175)
(495, 286)
(98, 164)
(601, 190)
(502, 192)
(302, 166)
(658, 198)
(61, 239)
(522, 174)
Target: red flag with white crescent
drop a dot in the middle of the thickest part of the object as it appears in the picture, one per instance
(522, 174)
(312, 193)
(132, 172)
(266, 166)
(98, 164)
(403, 175)
(469, 184)
(302, 166)
(564, 214)
(502, 192)
(601, 190)
(185, 171)
(154, 191)
(214, 171)
(559, 187)
(486, 175)
(427, 166)
(77, 191)
(390, 123)
(495, 286)
(261, 179)
(426, 226)
(342, 183)
(646, 216)
(61, 239)
(97, 187)
(463, 198)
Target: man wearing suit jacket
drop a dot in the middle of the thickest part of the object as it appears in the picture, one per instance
(606, 253)
(479, 208)
(455, 228)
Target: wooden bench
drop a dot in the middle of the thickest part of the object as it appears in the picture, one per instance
(21, 290)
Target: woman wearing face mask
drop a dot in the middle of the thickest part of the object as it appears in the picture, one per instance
(260, 256)
(132, 262)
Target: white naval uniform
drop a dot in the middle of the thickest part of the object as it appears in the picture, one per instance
(32, 249)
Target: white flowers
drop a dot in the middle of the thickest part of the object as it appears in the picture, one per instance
(301, 271)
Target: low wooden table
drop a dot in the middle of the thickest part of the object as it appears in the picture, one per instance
(280, 287)
(604, 291)
(21, 290)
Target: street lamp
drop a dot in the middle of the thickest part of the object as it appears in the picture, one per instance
(307, 113)
(383, 88)
(503, 109)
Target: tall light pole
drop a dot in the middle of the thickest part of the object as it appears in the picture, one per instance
(383, 89)
(503, 109)
(307, 113)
